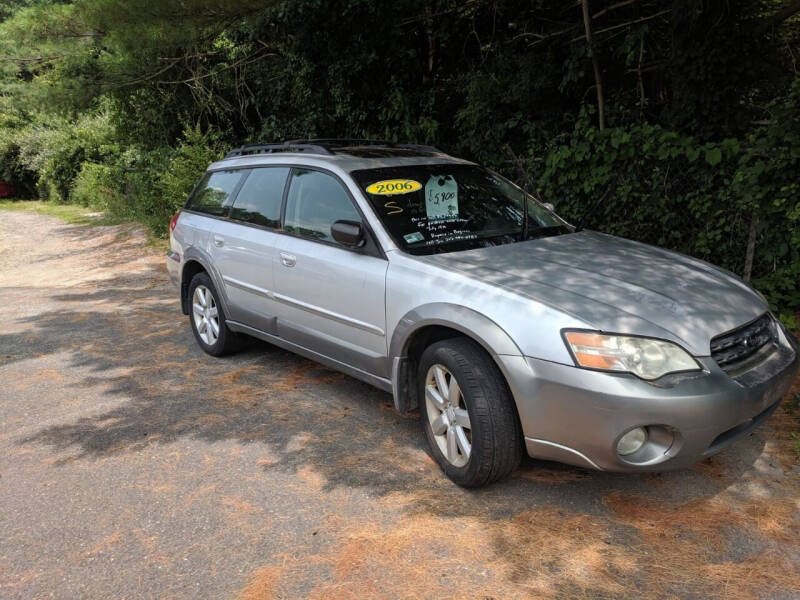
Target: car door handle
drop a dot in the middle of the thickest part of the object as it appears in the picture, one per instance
(218, 241)
(288, 260)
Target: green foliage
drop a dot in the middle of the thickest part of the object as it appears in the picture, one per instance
(697, 198)
(54, 149)
(141, 194)
(155, 183)
(193, 154)
(766, 180)
(701, 104)
(97, 186)
(670, 190)
(148, 185)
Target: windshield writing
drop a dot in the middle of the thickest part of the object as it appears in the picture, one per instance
(436, 208)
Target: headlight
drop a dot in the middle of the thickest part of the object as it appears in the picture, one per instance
(644, 357)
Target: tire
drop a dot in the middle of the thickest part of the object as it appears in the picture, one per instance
(494, 433)
(212, 319)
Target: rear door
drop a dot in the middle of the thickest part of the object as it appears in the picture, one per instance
(208, 204)
(244, 247)
(330, 298)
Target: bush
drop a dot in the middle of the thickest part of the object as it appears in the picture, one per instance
(766, 182)
(194, 153)
(697, 198)
(143, 188)
(80, 163)
(157, 182)
(148, 185)
(97, 186)
(11, 167)
(55, 149)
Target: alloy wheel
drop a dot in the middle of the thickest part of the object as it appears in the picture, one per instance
(206, 314)
(448, 416)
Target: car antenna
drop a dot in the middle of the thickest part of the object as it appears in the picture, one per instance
(609, 190)
(527, 184)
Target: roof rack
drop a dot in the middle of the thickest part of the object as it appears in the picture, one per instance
(331, 143)
(271, 148)
(340, 142)
(322, 146)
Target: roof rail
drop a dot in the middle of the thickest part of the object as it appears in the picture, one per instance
(422, 147)
(345, 142)
(270, 148)
(321, 146)
(341, 142)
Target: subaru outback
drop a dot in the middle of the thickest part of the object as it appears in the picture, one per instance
(443, 283)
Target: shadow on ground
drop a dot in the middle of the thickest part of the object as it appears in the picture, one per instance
(550, 529)
(130, 335)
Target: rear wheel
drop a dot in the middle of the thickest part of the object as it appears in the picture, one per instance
(468, 413)
(208, 318)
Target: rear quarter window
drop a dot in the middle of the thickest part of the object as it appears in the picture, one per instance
(213, 194)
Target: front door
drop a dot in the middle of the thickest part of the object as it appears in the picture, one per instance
(329, 298)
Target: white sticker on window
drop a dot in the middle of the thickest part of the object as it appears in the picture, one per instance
(412, 238)
(441, 197)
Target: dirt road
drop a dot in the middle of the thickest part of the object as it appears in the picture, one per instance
(134, 466)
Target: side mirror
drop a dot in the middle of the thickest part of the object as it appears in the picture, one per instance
(348, 233)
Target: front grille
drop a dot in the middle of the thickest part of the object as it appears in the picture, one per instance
(732, 350)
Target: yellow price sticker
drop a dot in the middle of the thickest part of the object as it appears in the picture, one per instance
(391, 187)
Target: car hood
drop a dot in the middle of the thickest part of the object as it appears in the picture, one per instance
(617, 285)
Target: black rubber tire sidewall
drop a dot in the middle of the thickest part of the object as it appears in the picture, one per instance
(496, 432)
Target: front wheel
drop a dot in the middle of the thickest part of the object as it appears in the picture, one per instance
(468, 413)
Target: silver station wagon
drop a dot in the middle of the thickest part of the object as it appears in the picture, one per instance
(445, 284)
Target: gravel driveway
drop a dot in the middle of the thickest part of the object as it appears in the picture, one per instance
(134, 466)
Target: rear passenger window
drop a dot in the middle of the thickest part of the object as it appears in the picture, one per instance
(214, 191)
(315, 202)
(259, 200)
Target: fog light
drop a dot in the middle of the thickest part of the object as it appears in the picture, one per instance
(631, 441)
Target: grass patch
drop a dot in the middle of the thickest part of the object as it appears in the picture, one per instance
(75, 214)
(69, 213)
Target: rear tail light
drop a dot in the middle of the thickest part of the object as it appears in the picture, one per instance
(174, 221)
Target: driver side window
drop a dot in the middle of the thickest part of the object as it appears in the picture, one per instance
(316, 200)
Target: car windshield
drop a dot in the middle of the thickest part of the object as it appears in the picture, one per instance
(447, 207)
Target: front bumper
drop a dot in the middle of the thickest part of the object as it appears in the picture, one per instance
(577, 416)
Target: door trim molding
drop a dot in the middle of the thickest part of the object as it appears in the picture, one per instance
(248, 287)
(316, 310)
(329, 314)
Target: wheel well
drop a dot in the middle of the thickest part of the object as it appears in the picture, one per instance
(190, 269)
(420, 340)
(426, 336)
